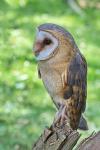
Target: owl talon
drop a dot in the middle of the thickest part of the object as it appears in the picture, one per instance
(60, 117)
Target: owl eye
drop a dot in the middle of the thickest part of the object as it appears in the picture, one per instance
(47, 41)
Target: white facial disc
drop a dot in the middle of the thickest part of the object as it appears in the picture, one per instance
(49, 49)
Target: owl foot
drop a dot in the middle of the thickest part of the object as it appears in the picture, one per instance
(60, 117)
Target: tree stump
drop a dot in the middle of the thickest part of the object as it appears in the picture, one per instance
(64, 138)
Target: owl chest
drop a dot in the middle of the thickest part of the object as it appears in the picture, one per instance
(52, 81)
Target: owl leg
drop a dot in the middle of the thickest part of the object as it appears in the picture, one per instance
(61, 116)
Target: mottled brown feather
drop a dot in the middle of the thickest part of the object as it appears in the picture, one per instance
(77, 82)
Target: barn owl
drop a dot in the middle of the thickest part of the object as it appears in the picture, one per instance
(63, 70)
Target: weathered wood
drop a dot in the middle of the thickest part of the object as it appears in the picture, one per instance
(64, 138)
(57, 138)
(90, 143)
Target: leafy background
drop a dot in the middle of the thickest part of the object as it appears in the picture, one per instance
(25, 107)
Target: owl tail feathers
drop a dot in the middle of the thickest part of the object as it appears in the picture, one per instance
(83, 124)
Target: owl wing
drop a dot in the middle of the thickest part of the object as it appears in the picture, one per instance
(76, 89)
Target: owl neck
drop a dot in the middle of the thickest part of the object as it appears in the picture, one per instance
(61, 56)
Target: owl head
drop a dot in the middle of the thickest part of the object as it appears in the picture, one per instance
(49, 39)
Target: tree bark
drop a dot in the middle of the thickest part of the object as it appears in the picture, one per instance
(90, 143)
(57, 138)
(64, 138)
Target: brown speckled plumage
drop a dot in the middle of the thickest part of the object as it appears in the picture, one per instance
(70, 90)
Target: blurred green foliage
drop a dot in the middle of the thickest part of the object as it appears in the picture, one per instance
(25, 107)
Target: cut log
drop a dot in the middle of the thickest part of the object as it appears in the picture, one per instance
(64, 138)
(57, 138)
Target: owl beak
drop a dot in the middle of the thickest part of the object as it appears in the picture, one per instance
(37, 48)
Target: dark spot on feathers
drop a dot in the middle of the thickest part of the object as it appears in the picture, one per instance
(68, 93)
